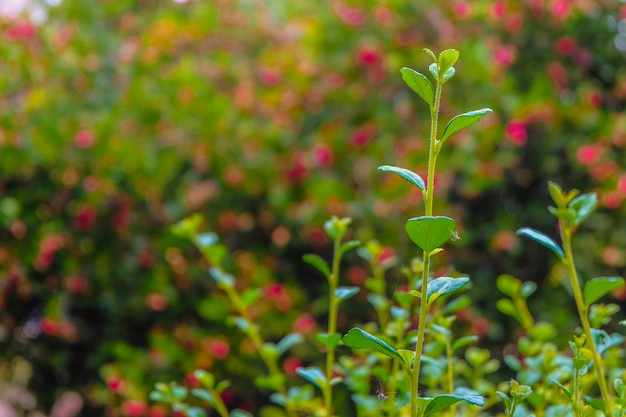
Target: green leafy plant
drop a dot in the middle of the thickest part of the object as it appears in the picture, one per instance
(429, 233)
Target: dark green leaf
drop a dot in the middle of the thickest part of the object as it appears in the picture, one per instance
(408, 175)
(420, 84)
(444, 401)
(462, 121)
(444, 285)
(430, 232)
(541, 239)
(318, 263)
(314, 375)
(582, 206)
(360, 339)
(598, 287)
(329, 341)
(343, 293)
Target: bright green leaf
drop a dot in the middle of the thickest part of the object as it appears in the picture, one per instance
(541, 239)
(314, 375)
(195, 412)
(506, 399)
(430, 232)
(329, 341)
(463, 341)
(239, 413)
(444, 401)
(432, 68)
(582, 206)
(360, 339)
(448, 74)
(346, 246)
(447, 59)
(508, 285)
(408, 175)
(598, 287)
(420, 84)
(462, 121)
(506, 306)
(343, 293)
(204, 395)
(318, 263)
(528, 288)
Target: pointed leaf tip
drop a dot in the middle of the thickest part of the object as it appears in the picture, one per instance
(542, 239)
(462, 121)
(408, 175)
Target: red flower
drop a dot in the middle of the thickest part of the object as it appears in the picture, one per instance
(135, 408)
(369, 55)
(505, 55)
(516, 132)
(363, 134)
(352, 16)
(86, 217)
(290, 365)
(219, 348)
(84, 139)
(305, 324)
(566, 45)
(323, 155)
(21, 30)
(589, 154)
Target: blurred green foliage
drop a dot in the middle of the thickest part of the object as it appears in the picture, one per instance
(121, 117)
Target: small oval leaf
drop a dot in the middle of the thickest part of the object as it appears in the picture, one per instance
(314, 375)
(582, 206)
(430, 232)
(444, 401)
(408, 175)
(329, 341)
(444, 285)
(599, 287)
(288, 342)
(447, 59)
(542, 239)
(420, 84)
(360, 339)
(343, 293)
(463, 341)
(462, 121)
(318, 263)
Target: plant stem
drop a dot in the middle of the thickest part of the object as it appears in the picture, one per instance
(568, 262)
(428, 203)
(333, 279)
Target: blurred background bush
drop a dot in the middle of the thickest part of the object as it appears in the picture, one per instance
(120, 117)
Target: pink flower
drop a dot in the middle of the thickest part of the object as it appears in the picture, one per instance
(219, 348)
(323, 155)
(505, 55)
(84, 139)
(21, 30)
(134, 408)
(269, 76)
(86, 217)
(561, 9)
(291, 365)
(566, 45)
(462, 9)
(352, 16)
(516, 132)
(363, 134)
(304, 324)
(589, 154)
(369, 55)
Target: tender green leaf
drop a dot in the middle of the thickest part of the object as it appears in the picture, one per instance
(314, 375)
(404, 299)
(444, 285)
(206, 379)
(462, 121)
(343, 293)
(541, 239)
(329, 341)
(346, 246)
(250, 296)
(239, 413)
(556, 192)
(178, 392)
(463, 341)
(360, 339)
(596, 403)
(337, 227)
(598, 287)
(582, 206)
(432, 68)
(204, 395)
(618, 384)
(444, 401)
(159, 396)
(318, 263)
(288, 342)
(508, 285)
(222, 385)
(408, 356)
(448, 74)
(506, 399)
(223, 279)
(195, 412)
(420, 84)
(273, 382)
(528, 288)
(447, 59)
(430, 232)
(408, 175)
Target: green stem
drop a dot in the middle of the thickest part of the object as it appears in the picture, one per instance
(568, 262)
(395, 368)
(333, 279)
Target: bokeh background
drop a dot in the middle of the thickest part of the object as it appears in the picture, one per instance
(120, 117)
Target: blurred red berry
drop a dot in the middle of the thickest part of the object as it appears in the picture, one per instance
(516, 132)
(135, 408)
(589, 154)
(269, 76)
(84, 139)
(304, 324)
(566, 45)
(290, 365)
(369, 55)
(86, 217)
(362, 135)
(21, 31)
(323, 155)
(505, 55)
(219, 348)
(350, 15)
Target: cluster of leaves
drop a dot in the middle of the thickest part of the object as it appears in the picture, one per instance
(121, 118)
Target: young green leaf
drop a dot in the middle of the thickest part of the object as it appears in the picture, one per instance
(346, 246)
(408, 175)
(463, 341)
(462, 121)
(447, 59)
(444, 285)
(194, 412)
(314, 375)
(204, 395)
(506, 399)
(222, 278)
(288, 342)
(508, 285)
(448, 74)
(360, 339)
(541, 239)
(582, 206)
(239, 413)
(419, 84)
(318, 263)
(430, 232)
(599, 287)
(343, 293)
(432, 68)
(446, 400)
(329, 341)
